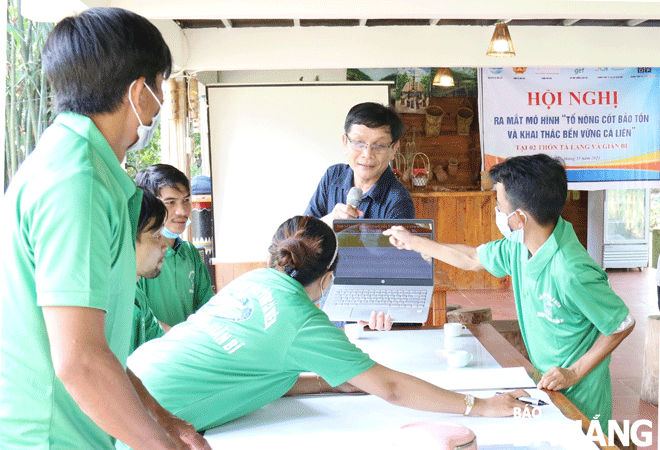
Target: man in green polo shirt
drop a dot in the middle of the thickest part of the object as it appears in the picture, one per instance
(570, 318)
(184, 284)
(150, 246)
(68, 257)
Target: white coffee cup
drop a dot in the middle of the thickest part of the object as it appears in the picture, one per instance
(458, 358)
(353, 331)
(454, 329)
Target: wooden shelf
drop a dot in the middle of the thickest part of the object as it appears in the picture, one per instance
(462, 218)
(448, 144)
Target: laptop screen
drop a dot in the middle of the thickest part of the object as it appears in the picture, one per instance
(367, 257)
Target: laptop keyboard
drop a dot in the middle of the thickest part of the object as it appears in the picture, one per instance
(395, 299)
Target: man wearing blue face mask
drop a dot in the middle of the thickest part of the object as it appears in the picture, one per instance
(570, 318)
(184, 284)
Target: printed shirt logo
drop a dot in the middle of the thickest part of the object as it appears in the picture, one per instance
(191, 276)
(269, 309)
(549, 306)
(231, 308)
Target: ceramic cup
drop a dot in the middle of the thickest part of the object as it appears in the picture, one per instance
(458, 358)
(454, 329)
(353, 331)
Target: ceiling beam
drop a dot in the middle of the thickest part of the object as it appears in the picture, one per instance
(635, 22)
(49, 10)
(398, 46)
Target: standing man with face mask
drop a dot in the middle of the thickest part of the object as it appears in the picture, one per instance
(570, 318)
(68, 253)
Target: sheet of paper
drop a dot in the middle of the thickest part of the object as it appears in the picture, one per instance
(502, 378)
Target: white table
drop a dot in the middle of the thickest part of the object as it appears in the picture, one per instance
(358, 421)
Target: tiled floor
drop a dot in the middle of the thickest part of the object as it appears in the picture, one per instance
(638, 290)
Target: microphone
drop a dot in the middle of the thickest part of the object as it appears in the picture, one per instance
(354, 197)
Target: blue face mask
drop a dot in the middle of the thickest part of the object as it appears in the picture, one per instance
(502, 222)
(167, 234)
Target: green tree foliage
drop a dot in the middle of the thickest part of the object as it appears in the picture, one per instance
(357, 75)
(655, 209)
(28, 109)
(137, 160)
(401, 80)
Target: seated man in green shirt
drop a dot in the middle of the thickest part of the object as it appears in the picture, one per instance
(150, 246)
(184, 284)
(570, 318)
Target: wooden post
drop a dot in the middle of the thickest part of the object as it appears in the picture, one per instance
(470, 316)
(651, 355)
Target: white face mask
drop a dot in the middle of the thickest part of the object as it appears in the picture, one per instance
(331, 282)
(502, 222)
(144, 132)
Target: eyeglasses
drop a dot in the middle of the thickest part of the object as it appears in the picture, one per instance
(358, 146)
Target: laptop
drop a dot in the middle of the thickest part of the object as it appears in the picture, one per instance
(373, 275)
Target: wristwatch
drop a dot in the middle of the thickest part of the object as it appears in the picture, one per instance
(469, 403)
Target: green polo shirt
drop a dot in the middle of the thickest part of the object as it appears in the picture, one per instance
(244, 349)
(69, 222)
(564, 303)
(182, 287)
(145, 324)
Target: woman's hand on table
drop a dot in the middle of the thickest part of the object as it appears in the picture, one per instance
(378, 321)
(502, 405)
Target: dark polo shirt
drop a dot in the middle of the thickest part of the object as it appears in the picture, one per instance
(387, 199)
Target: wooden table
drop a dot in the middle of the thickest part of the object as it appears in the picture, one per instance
(507, 356)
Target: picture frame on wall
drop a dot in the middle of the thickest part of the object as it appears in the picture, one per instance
(413, 90)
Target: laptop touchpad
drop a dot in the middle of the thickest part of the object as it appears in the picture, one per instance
(361, 313)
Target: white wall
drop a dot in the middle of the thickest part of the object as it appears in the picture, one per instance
(281, 76)
(270, 145)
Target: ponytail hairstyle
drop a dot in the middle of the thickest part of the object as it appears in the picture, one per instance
(304, 248)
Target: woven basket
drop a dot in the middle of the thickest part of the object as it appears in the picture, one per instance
(421, 162)
(434, 115)
(464, 118)
(399, 165)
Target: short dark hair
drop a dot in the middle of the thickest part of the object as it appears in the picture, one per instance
(152, 213)
(156, 177)
(91, 59)
(535, 183)
(304, 248)
(375, 115)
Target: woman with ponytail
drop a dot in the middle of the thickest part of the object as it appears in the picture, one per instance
(249, 344)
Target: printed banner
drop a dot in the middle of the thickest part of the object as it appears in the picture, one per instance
(603, 122)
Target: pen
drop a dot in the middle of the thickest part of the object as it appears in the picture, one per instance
(528, 400)
(532, 401)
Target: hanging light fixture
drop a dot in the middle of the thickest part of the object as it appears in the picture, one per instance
(443, 77)
(500, 44)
